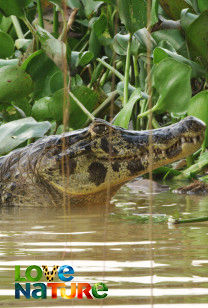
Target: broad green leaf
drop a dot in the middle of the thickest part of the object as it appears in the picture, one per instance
(162, 53)
(41, 69)
(98, 27)
(133, 14)
(8, 62)
(40, 109)
(55, 50)
(144, 38)
(16, 132)
(6, 45)
(203, 5)
(120, 44)
(197, 37)
(56, 81)
(14, 7)
(173, 8)
(81, 58)
(91, 6)
(198, 107)
(154, 12)
(76, 116)
(173, 36)
(124, 115)
(172, 81)
(14, 83)
(187, 18)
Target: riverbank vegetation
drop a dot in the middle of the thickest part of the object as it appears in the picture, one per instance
(62, 63)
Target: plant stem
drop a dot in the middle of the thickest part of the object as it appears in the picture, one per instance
(17, 27)
(55, 22)
(81, 106)
(146, 113)
(183, 221)
(127, 67)
(112, 69)
(103, 105)
(136, 72)
(40, 13)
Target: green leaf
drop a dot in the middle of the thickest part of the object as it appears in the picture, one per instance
(162, 53)
(41, 69)
(55, 50)
(133, 14)
(76, 116)
(16, 132)
(98, 27)
(40, 109)
(187, 18)
(198, 107)
(197, 37)
(14, 83)
(173, 8)
(8, 62)
(173, 36)
(172, 81)
(203, 5)
(91, 6)
(120, 44)
(56, 81)
(154, 12)
(6, 45)
(124, 115)
(14, 7)
(144, 38)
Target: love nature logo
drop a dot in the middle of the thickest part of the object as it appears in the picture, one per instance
(31, 287)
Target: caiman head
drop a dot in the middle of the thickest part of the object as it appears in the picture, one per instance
(103, 156)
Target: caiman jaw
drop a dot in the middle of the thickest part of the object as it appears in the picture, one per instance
(105, 155)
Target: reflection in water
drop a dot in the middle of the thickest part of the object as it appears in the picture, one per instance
(101, 248)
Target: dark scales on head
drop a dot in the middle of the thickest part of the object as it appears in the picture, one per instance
(97, 173)
(135, 166)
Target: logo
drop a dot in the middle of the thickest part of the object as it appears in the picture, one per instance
(30, 286)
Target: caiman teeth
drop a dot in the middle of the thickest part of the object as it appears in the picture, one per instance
(195, 140)
(183, 140)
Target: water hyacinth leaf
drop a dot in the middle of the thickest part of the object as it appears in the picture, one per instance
(8, 62)
(6, 45)
(85, 58)
(41, 69)
(56, 81)
(98, 27)
(14, 7)
(144, 38)
(14, 83)
(173, 36)
(172, 81)
(203, 5)
(133, 14)
(55, 50)
(76, 116)
(197, 37)
(91, 6)
(162, 53)
(173, 8)
(120, 44)
(154, 12)
(16, 132)
(187, 18)
(124, 115)
(40, 109)
(198, 107)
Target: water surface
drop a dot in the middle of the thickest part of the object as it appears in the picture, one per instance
(169, 271)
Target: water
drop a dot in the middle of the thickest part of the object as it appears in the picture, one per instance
(100, 246)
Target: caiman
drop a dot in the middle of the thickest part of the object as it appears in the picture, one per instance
(89, 165)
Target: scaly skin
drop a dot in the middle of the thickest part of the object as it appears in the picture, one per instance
(88, 166)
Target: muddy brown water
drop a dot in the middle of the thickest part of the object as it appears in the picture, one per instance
(101, 247)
